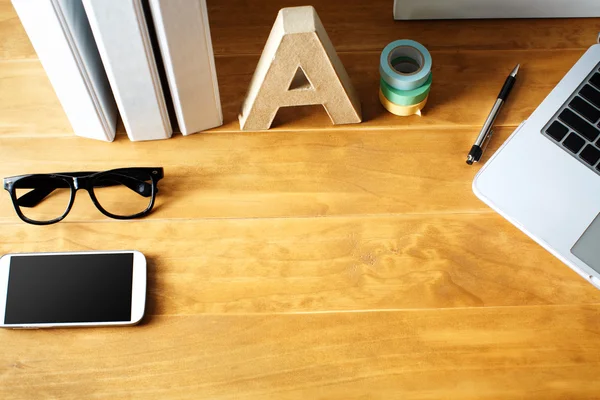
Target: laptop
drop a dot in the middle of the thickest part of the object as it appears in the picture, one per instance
(545, 179)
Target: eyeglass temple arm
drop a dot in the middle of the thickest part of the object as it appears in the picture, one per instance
(43, 190)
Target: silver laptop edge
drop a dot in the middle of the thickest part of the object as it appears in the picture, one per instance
(543, 189)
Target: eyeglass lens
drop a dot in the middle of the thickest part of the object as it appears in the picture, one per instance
(42, 199)
(123, 195)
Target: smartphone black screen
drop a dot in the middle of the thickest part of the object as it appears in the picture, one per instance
(69, 288)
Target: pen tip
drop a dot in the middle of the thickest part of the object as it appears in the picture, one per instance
(515, 70)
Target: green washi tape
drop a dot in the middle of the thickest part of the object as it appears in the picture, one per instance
(406, 97)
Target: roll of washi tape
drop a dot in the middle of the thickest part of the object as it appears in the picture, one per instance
(412, 78)
(405, 97)
(402, 111)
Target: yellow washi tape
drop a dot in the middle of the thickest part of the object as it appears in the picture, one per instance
(402, 111)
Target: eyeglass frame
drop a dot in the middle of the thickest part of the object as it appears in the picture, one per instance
(84, 180)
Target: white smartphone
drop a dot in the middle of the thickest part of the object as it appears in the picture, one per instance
(78, 289)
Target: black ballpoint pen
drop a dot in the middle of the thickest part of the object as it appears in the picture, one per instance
(486, 131)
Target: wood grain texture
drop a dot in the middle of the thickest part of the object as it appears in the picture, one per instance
(328, 264)
(312, 261)
(273, 174)
(29, 106)
(14, 44)
(495, 353)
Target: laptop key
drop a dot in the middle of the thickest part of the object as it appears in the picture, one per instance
(557, 131)
(595, 80)
(591, 95)
(579, 125)
(590, 155)
(574, 143)
(585, 109)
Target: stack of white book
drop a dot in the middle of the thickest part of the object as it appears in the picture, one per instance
(99, 57)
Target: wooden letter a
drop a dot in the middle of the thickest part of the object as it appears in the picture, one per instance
(299, 66)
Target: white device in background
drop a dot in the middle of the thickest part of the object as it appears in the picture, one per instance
(53, 290)
(546, 178)
(455, 9)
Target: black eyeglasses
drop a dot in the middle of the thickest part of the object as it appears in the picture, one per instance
(124, 193)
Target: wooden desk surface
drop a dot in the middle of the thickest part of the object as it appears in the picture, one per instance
(312, 261)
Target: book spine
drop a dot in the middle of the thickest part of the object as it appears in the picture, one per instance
(185, 44)
(120, 30)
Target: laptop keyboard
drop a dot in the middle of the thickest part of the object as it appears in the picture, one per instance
(576, 126)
